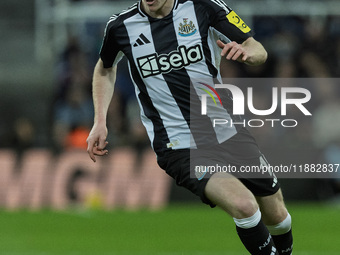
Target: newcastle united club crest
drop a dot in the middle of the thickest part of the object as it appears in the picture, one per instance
(186, 29)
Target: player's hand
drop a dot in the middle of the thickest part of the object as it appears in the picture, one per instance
(96, 142)
(233, 51)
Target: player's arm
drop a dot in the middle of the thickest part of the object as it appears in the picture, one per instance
(231, 28)
(102, 86)
(250, 52)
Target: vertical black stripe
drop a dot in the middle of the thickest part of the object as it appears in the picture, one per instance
(202, 16)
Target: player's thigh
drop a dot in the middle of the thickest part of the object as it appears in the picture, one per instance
(231, 195)
(273, 208)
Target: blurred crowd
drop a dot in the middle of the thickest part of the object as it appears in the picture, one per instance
(298, 47)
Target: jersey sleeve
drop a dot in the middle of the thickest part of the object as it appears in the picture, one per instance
(110, 52)
(227, 22)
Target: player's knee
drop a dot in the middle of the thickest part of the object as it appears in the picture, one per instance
(244, 208)
(282, 227)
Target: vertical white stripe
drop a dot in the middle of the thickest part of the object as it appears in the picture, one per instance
(213, 36)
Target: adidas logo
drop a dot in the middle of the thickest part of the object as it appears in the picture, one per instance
(141, 40)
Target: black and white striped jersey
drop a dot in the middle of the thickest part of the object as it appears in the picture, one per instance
(168, 60)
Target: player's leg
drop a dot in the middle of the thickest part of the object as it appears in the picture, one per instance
(278, 221)
(233, 197)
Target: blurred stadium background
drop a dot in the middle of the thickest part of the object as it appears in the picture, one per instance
(54, 200)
